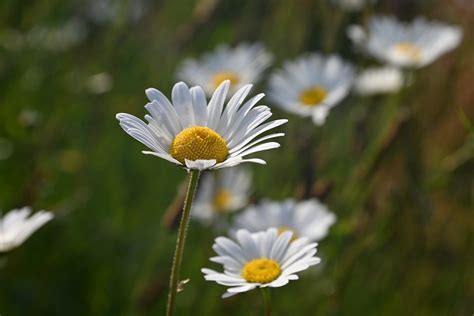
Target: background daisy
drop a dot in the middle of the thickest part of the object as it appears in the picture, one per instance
(221, 192)
(17, 225)
(414, 44)
(189, 132)
(310, 219)
(311, 85)
(378, 80)
(240, 65)
(258, 260)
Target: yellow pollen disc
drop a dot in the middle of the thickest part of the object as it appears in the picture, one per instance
(283, 229)
(222, 200)
(313, 96)
(198, 142)
(408, 50)
(218, 77)
(261, 270)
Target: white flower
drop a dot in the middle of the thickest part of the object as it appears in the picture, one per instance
(221, 192)
(415, 44)
(352, 5)
(263, 259)
(241, 65)
(16, 226)
(310, 219)
(378, 80)
(311, 85)
(189, 132)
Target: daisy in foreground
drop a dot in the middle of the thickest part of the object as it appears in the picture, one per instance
(260, 260)
(221, 192)
(311, 85)
(411, 45)
(241, 65)
(191, 133)
(310, 219)
(16, 226)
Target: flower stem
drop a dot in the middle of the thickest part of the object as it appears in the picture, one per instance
(178, 254)
(267, 301)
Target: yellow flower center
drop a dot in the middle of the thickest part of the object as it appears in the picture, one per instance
(198, 142)
(408, 50)
(313, 96)
(261, 270)
(222, 200)
(283, 229)
(218, 77)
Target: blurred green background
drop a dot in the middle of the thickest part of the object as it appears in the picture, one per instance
(397, 170)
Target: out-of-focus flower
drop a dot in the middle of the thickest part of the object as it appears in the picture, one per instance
(221, 192)
(258, 260)
(193, 134)
(99, 83)
(353, 5)
(311, 85)
(105, 11)
(241, 65)
(414, 45)
(310, 218)
(18, 225)
(378, 80)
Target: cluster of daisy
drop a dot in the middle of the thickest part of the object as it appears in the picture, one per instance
(270, 242)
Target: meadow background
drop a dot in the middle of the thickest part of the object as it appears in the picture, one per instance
(397, 170)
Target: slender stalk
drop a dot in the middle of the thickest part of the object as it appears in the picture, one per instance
(267, 301)
(178, 254)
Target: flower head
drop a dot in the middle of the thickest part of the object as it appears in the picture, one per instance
(310, 219)
(263, 259)
(191, 133)
(224, 191)
(411, 45)
(378, 80)
(241, 65)
(16, 226)
(311, 85)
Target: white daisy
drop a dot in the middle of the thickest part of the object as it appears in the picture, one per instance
(263, 259)
(311, 85)
(221, 192)
(16, 226)
(189, 132)
(352, 5)
(415, 44)
(378, 80)
(310, 219)
(241, 65)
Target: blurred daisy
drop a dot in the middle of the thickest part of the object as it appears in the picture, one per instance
(415, 44)
(378, 80)
(188, 132)
(258, 260)
(352, 5)
(311, 86)
(16, 226)
(241, 65)
(310, 219)
(221, 192)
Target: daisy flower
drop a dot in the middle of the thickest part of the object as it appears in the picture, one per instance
(221, 192)
(191, 133)
(17, 226)
(259, 260)
(352, 5)
(310, 219)
(411, 45)
(378, 80)
(241, 65)
(311, 85)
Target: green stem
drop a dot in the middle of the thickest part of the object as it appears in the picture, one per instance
(267, 301)
(178, 255)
